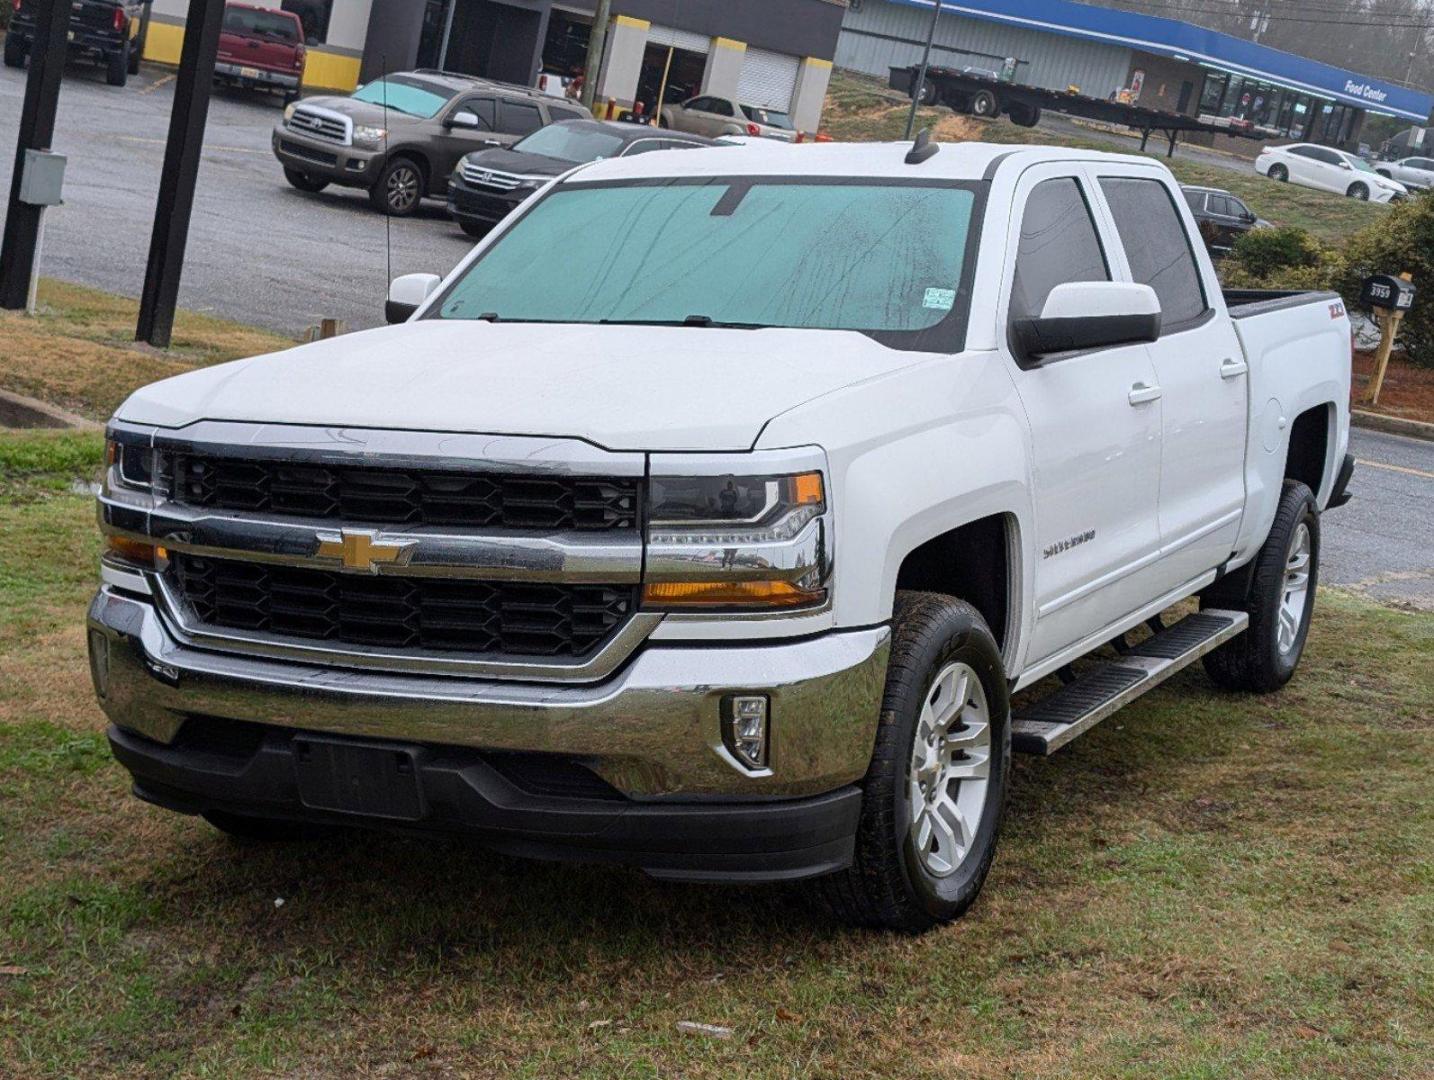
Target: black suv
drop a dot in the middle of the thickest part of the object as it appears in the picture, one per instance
(107, 31)
(400, 137)
(489, 184)
(1221, 218)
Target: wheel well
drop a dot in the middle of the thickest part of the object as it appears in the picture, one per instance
(415, 156)
(1309, 448)
(971, 562)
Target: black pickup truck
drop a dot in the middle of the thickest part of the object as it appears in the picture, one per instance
(106, 31)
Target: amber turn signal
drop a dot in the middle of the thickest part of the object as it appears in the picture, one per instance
(705, 594)
(135, 551)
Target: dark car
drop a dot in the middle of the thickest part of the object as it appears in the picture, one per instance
(401, 136)
(1221, 217)
(488, 185)
(106, 31)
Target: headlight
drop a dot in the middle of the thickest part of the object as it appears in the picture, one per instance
(130, 465)
(368, 136)
(738, 542)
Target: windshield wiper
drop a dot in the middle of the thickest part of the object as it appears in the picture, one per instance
(691, 320)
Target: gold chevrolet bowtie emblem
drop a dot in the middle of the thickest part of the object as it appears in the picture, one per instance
(359, 550)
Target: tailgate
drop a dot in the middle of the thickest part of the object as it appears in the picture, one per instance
(258, 52)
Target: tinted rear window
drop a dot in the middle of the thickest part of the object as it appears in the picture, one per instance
(1156, 246)
(256, 23)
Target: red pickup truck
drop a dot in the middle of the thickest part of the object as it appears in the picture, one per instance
(261, 47)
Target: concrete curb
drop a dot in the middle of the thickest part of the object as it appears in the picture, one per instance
(19, 411)
(1392, 425)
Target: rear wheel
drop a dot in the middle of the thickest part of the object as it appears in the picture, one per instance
(1024, 115)
(935, 792)
(303, 181)
(1280, 601)
(135, 51)
(1358, 190)
(14, 52)
(1279, 172)
(399, 189)
(117, 66)
(984, 104)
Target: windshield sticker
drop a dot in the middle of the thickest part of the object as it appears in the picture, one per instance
(939, 299)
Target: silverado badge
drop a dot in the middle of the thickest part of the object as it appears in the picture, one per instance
(357, 549)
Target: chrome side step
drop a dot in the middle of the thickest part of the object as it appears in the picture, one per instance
(1048, 724)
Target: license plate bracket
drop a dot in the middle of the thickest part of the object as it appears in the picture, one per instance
(366, 779)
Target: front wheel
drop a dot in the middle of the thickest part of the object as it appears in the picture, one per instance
(1279, 172)
(935, 792)
(14, 52)
(399, 189)
(1280, 601)
(304, 182)
(1358, 191)
(984, 104)
(476, 229)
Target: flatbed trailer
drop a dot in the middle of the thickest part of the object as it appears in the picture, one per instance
(981, 95)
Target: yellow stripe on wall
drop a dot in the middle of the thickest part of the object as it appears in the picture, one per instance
(322, 70)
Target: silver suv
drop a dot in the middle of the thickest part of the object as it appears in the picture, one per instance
(400, 137)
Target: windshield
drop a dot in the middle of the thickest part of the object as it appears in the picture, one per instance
(568, 142)
(406, 95)
(769, 117)
(881, 257)
(261, 23)
(1359, 163)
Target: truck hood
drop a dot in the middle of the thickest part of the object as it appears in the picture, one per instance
(364, 112)
(620, 387)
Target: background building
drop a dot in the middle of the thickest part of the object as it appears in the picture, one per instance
(1162, 63)
(774, 53)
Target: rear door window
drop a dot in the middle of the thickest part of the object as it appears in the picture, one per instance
(485, 108)
(519, 118)
(1156, 246)
(1058, 243)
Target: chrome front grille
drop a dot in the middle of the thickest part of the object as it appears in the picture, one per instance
(320, 125)
(490, 178)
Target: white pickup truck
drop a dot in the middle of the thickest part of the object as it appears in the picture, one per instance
(724, 554)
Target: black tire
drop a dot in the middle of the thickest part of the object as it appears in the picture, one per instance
(400, 187)
(1358, 190)
(887, 884)
(257, 830)
(303, 181)
(117, 66)
(1023, 115)
(930, 92)
(136, 50)
(14, 52)
(1279, 172)
(984, 104)
(475, 229)
(1254, 660)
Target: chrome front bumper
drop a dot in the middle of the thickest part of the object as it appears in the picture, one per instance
(652, 730)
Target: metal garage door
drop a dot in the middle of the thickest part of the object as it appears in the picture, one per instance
(768, 79)
(681, 39)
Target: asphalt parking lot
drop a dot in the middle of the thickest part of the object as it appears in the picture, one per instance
(259, 251)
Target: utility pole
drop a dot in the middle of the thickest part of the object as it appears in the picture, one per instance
(920, 88)
(37, 130)
(596, 40)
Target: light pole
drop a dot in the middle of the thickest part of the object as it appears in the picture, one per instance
(920, 87)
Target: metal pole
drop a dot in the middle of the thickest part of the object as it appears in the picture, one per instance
(181, 169)
(447, 33)
(596, 40)
(920, 87)
(656, 120)
(37, 129)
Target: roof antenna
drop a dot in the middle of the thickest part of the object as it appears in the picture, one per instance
(923, 149)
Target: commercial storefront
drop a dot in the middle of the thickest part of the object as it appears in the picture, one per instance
(1146, 60)
(776, 54)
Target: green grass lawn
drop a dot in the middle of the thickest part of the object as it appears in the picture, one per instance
(1206, 886)
(863, 109)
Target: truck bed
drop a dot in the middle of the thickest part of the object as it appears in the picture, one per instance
(1244, 303)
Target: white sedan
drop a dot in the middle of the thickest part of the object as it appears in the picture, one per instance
(1412, 172)
(1328, 169)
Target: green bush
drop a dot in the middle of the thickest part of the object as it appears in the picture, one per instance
(1283, 258)
(1402, 240)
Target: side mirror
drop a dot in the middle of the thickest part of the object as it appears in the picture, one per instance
(1088, 315)
(1346, 165)
(463, 119)
(407, 294)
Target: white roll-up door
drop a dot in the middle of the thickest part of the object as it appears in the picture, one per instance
(768, 79)
(681, 39)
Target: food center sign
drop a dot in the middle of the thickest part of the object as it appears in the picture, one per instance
(1365, 91)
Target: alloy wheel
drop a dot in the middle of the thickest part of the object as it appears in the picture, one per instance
(402, 189)
(950, 770)
(1295, 589)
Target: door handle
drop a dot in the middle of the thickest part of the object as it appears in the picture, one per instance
(1140, 393)
(1230, 368)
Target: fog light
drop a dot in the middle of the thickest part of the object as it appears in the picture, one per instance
(744, 729)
